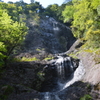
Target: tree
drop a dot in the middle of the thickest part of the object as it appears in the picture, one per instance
(84, 17)
(86, 20)
(32, 1)
(52, 10)
(2, 56)
(11, 34)
(59, 12)
(68, 13)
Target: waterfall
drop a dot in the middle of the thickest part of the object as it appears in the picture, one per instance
(47, 96)
(60, 68)
(77, 75)
(50, 96)
(57, 98)
(65, 67)
(68, 72)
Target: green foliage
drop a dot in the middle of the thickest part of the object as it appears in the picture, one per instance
(95, 4)
(55, 11)
(68, 13)
(11, 9)
(86, 97)
(73, 55)
(12, 35)
(25, 59)
(3, 5)
(86, 20)
(89, 50)
(40, 79)
(93, 37)
(2, 56)
(52, 10)
(93, 51)
(36, 19)
(12, 27)
(15, 10)
(40, 49)
(41, 75)
(98, 10)
(48, 58)
(97, 56)
(59, 12)
(29, 59)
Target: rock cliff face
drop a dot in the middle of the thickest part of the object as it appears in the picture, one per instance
(92, 69)
(88, 59)
(48, 36)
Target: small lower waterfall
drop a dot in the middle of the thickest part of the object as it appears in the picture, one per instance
(69, 71)
(60, 68)
(65, 67)
(77, 75)
(50, 96)
(57, 98)
(47, 96)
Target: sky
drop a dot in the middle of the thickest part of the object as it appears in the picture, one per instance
(44, 3)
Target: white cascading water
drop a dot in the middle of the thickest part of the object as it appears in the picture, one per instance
(63, 63)
(77, 75)
(50, 96)
(57, 98)
(47, 96)
(60, 68)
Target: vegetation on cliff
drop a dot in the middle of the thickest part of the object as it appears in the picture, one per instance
(13, 19)
(11, 35)
(85, 16)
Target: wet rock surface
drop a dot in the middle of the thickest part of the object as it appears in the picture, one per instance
(49, 36)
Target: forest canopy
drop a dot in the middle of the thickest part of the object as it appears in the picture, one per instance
(85, 20)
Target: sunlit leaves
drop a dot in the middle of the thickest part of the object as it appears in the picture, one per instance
(5, 19)
(11, 34)
(95, 3)
(2, 56)
(98, 10)
(68, 13)
(93, 37)
(52, 10)
(86, 21)
(2, 47)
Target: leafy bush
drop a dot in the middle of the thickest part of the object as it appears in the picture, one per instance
(12, 35)
(25, 59)
(93, 37)
(68, 13)
(86, 97)
(2, 56)
(29, 59)
(48, 58)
